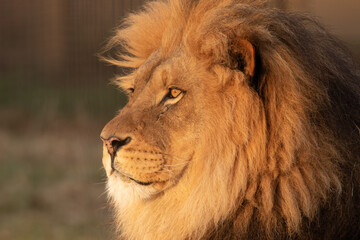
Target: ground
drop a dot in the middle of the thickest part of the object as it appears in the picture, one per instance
(51, 178)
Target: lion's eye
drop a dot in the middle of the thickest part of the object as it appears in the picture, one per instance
(173, 96)
(174, 92)
(130, 90)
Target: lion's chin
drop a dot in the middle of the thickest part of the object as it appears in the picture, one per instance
(128, 179)
(125, 190)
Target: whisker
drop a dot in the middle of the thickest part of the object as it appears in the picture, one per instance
(124, 174)
(175, 158)
(176, 165)
(102, 194)
(165, 169)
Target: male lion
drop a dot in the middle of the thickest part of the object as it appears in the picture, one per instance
(242, 123)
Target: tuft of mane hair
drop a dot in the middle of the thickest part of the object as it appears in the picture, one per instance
(303, 171)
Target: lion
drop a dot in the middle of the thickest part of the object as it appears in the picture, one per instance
(242, 123)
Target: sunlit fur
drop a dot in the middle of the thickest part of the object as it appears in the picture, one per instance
(277, 154)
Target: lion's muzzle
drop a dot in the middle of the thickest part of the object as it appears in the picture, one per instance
(132, 159)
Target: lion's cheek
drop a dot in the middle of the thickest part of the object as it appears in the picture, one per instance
(183, 144)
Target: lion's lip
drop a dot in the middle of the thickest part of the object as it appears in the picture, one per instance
(132, 179)
(141, 183)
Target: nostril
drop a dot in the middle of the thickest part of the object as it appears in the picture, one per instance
(114, 143)
(117, 143)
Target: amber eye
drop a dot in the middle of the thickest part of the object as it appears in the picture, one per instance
(131, 90)
(173, 96)
(174, 92)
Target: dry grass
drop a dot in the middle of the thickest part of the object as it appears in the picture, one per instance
(51, 178)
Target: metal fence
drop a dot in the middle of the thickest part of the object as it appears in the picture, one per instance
(58, 39)
(52, 40)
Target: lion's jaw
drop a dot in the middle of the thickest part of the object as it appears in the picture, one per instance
(125, 182)
(140, 174)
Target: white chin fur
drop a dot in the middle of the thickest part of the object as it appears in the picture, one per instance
(125, 193)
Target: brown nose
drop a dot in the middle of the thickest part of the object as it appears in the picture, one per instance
(114, 143)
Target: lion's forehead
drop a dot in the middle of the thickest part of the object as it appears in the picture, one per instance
(162, 72)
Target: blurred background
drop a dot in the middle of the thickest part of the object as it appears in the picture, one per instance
(55, 97)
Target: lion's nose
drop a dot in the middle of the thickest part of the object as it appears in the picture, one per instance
(114, 143)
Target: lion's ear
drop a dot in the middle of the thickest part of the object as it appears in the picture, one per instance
(242, 53)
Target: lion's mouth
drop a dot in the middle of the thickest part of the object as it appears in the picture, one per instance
(132, 179)
(141, 183)
(123, 175)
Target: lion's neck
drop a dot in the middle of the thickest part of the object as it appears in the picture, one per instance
(182, 211)
(192, 208)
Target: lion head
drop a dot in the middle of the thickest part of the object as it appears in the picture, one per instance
(235, 125)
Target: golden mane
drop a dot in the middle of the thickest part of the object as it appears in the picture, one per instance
(298, 172)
